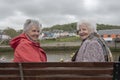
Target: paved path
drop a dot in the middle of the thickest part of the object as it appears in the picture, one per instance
(54, 44)
(4, 46)
(62, 44)
(66, 44)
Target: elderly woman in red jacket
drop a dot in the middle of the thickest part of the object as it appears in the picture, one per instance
(26, 46)
(93, 48)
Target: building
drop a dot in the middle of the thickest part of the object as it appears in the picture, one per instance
(109, 35)
(5, 37)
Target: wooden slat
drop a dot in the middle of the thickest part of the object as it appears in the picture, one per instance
(68, 71)
(10, 78)
(68, 64)
(9, 65)
(68, 78)
(9, 72)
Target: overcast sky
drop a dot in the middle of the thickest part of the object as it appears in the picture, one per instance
(13, 13)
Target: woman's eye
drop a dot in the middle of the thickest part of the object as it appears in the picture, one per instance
(34, 30)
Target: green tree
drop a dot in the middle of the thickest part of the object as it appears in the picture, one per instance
(10, 31)
(72, 27)
(64, 27)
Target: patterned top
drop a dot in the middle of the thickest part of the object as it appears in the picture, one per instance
(90, 51)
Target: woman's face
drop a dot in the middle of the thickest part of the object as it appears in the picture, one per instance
(33, 33)
(83, 31)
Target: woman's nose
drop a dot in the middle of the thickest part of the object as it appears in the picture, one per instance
(37, 33)
(81, 31)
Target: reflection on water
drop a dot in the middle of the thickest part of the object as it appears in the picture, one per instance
(8, 56)
(58, 55)
(51, 56)
(54, 56)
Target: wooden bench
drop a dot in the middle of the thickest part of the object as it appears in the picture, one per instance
(60, 71)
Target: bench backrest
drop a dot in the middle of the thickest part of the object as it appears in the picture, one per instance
(57, 71)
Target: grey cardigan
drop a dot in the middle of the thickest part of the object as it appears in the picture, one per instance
(93, 49)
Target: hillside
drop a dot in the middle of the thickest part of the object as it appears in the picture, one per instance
(72, 27)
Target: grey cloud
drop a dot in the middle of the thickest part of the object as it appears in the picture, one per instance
(51, 12)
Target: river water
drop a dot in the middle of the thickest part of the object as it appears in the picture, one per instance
(53, 56)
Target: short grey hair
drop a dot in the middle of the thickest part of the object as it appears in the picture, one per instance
(90, 25)
(29, 23)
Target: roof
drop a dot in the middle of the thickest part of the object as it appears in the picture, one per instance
(109, 32)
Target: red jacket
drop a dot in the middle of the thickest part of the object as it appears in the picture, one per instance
(26, 50)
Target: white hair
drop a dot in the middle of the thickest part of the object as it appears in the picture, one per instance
(90, 25)
(29, 23)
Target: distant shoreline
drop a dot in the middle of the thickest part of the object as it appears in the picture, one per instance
(59, 46)
(56, 44)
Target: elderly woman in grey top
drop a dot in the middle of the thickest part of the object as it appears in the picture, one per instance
(93, 48)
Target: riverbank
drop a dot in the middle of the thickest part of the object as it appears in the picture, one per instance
(55, 51)
(53, 46)
(57, 46)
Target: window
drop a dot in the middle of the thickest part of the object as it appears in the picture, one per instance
(101, 35)
(109, 35)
